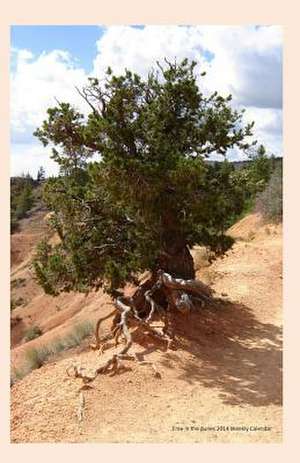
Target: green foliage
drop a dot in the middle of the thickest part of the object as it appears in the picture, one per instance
(251, 179)
(269, 201)
(152, 191)
(32, 333)
(259, 171)
(24, 202)
(21, 197)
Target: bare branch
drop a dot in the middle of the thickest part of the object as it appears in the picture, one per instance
(84, 96)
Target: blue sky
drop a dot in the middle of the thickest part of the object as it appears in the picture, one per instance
(80, 41)
(48, 61)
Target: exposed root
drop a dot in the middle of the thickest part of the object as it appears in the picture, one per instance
(155, 333)
(193, 286)
(80, 411)
(179, 295)
(98, 340)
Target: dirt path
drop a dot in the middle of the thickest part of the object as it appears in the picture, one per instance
(223, 383)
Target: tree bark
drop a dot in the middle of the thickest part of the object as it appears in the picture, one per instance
(175, 257)
(177, 262)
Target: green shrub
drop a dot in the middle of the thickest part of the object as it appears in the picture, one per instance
(24, 202)
(21, 198)
(32, 333)
(269, 202)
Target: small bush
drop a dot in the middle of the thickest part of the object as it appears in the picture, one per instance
(17, 374)
(32, 333)
(84, 329)
(79, 332)
(269, 202)
(36, 357)
(57, 346)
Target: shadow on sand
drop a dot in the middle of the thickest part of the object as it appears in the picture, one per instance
(231, 351)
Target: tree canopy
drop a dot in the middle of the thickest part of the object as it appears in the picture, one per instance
(151, 194)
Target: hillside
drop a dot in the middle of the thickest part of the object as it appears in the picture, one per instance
(226, 370)
(54, 316)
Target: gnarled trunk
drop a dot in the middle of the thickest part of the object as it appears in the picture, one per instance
(171, 288)
(175, 257)
(178, 262)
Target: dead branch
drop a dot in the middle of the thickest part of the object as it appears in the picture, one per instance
(85, 97)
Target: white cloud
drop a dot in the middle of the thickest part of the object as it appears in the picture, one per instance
(28, 157)
(139, 49)
(35, 84)
(245, 61)
(268, 127)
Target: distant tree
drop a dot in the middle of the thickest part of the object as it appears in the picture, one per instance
(260, 169)
(269, 201)
(151, 196)
(21, 198)
(253, 177)
(24, 201)
(41, 175)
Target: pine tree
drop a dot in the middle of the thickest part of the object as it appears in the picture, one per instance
(24, 200)
(260, 170)
(41, 175)
(149, 198)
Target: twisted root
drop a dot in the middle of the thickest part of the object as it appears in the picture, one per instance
(179, 295)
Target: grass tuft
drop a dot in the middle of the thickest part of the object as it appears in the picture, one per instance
(36, 357)
(32, 333)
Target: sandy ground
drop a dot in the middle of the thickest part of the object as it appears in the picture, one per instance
(221, 384)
